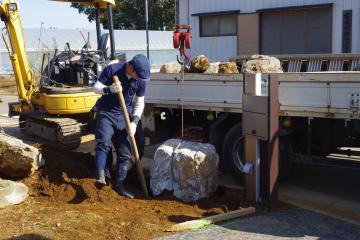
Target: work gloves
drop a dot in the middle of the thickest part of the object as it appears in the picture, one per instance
(115, 88)
(132, 129)
(102, 89)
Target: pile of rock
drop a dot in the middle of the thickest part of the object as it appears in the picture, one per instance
(201, 64)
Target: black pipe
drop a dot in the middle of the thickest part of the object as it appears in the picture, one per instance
(98, 30)
(111, 31)
(42, 68)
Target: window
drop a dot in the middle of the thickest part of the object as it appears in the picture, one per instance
(218, 25)
(297, 31)
(346, 32)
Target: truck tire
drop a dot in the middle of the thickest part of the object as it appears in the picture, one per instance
(233, 150)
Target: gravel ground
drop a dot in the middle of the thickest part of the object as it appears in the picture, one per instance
(287, 224)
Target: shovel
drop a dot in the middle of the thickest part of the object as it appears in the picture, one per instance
(132, 139)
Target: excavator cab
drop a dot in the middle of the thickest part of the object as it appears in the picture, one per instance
(80, 69)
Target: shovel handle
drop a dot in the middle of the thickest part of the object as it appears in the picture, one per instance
(132, 139)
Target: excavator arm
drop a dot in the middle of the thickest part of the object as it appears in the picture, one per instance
(9, 13)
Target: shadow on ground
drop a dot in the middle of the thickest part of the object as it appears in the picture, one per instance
(290, 224)
(29, 237)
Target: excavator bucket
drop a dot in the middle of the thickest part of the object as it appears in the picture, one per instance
(94, 3)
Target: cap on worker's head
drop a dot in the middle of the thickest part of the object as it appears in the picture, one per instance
(141, 66)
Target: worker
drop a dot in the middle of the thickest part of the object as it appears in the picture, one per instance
(110, 125)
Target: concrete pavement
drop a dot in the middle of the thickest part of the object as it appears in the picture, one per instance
(286, 224)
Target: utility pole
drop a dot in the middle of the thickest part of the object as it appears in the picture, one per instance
(41, 26)
(147, 28)
(176, 3)
(98, 27)
(111, 31)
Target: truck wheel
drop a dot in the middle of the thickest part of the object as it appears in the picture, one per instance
(233, 150)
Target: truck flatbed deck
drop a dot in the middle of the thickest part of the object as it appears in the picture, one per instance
(314, 95)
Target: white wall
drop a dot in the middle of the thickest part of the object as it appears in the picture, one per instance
(222, 48)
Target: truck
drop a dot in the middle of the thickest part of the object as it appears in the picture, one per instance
(319, 98)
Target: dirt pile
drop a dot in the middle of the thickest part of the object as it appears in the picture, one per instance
(64, 203)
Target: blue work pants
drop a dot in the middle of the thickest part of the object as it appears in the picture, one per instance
(110, 130)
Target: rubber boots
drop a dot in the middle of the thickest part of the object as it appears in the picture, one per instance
(119, 185)
(100, 177)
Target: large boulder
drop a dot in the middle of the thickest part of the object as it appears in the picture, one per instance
(222, 68)
(199, 64)
(262, 64)
(188, 169)
(18, 159)
(171, 67)
(228, 67)
(12, 193)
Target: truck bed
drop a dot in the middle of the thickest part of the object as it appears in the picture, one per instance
(315, 95)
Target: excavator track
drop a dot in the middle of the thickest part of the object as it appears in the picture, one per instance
(63, 131)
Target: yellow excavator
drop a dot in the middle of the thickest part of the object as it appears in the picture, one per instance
(56, 106)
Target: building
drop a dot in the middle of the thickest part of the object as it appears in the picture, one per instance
(130, 42)
(226, 28)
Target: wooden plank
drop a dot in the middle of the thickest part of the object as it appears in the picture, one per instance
(200, 223)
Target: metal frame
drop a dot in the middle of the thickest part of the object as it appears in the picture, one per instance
(217, 35)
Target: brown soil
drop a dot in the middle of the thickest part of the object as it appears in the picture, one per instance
(8, 91)
(8, 85)
(64, 203)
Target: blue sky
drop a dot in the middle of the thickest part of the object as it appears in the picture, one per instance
(53, 14)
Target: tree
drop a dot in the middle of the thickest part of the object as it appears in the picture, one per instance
(130, 14)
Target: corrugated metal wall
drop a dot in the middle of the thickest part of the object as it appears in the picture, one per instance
(222, 48)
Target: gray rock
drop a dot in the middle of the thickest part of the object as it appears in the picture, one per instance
(262, 64)
(213, 68)
(18, 159)
(189, 169)
(12, 193)
(171, 67)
